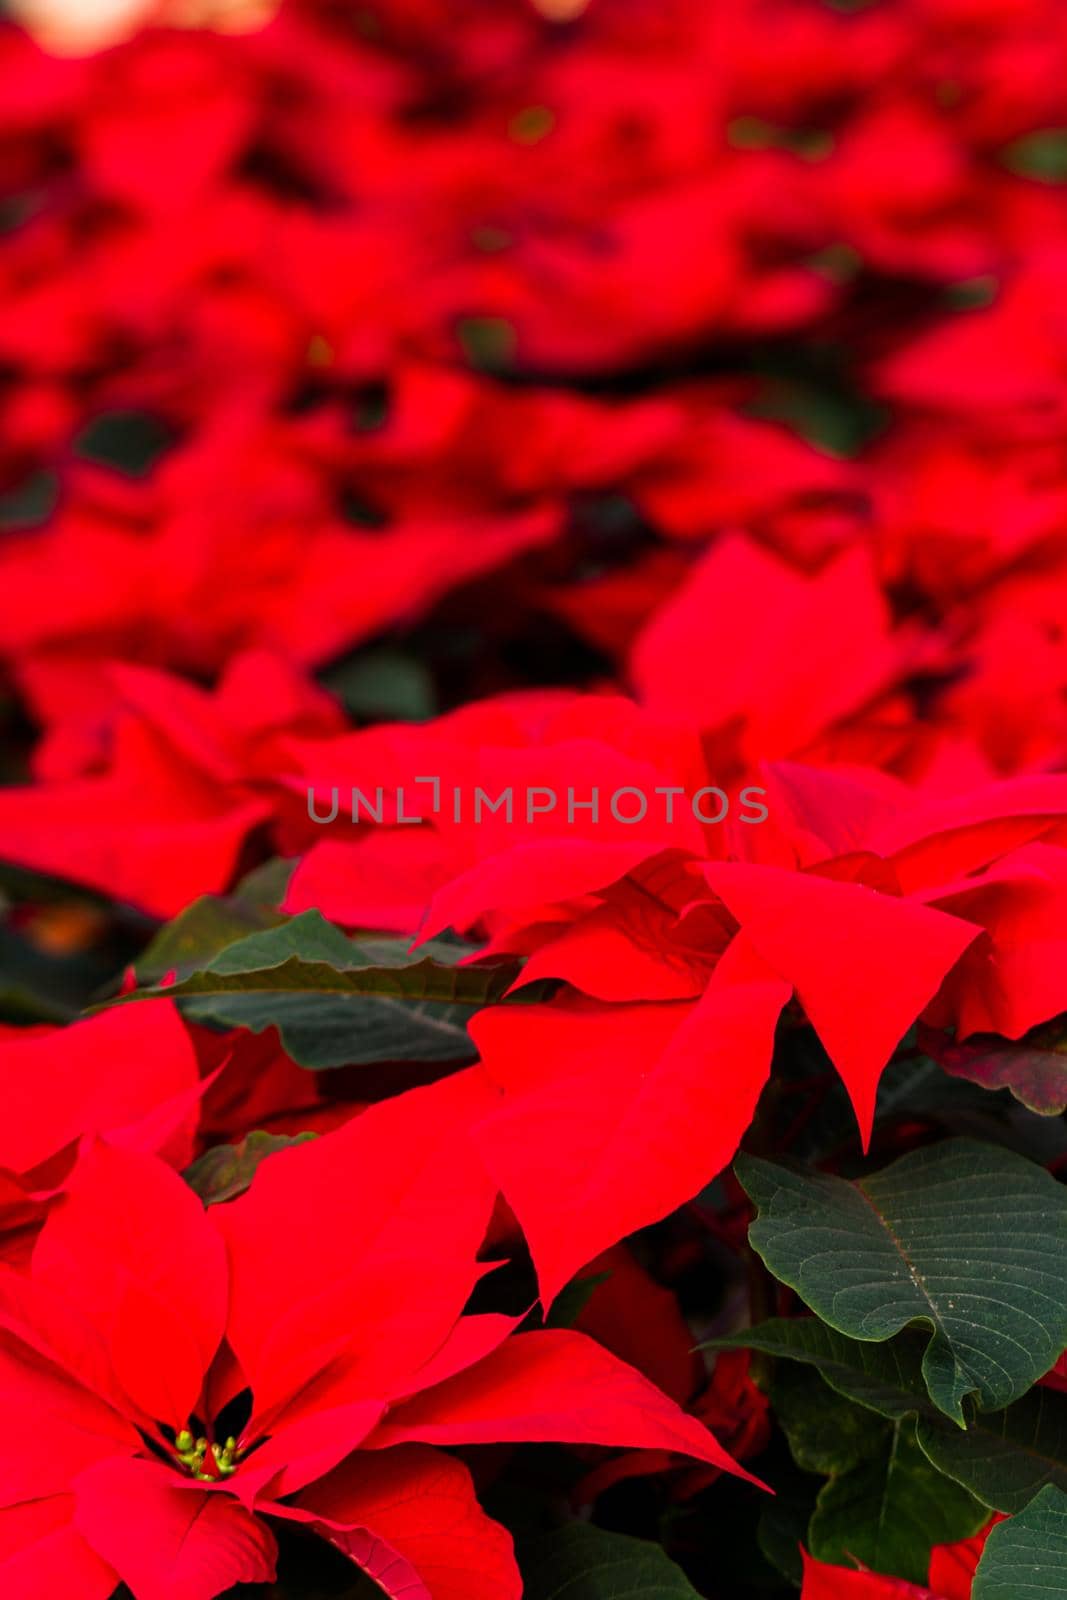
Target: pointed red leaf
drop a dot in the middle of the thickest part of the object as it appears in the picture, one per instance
(43, 1556)
(633, 1107)
(131, 1246)
(167, 1541)
(864, 965)
(39, 1457)
(105, 1072)
(555, 1385)
(410, 1519)
(331, 1236)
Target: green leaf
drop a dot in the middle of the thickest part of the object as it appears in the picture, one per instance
(267, 885)
(890, 1510)
(572, 1300)
(886, 1503)
(127, 441)
(827, 1433)
(886, 1378)
(384, 684)
(337, 1001)
(964, 1238)
(1041, 155)
(1003, 1457)
(201, 932)
(226, 1171)
(1026, 1557)
(783, 1521)
(488, 344)
(580, 1562)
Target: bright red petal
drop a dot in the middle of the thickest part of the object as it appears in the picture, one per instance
(615, 1115)
(822, 1582)
(409, 1518)
(748, 637)
(53, 1428)
(299, 1452)
(130, 1245)
(108, 1071)
(864, 964)
(42, 1555)
(1016, 976)
(552, 1386)
(101, 832)
(331, 1236)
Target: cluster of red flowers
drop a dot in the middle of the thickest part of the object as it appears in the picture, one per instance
(434, 404)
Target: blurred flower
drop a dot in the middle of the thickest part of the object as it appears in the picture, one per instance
(561, 10)
(80, 27)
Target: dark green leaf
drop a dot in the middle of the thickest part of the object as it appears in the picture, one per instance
(227, 1170)
(964, 1238)
(338, 1001)
(32, 500)
(572, 1300)
(384, 684)
(827, 1433)
(487, 343)
(580, 1562)
(783, 1521)
(890, 1510)
(201, 932)
(1041, 155)
(889, 1500)
(886, 1378)
(875, 1505)
(266, 885)
(128, 441)
(1003, 1457)
(36, 986)
(1026, 1557)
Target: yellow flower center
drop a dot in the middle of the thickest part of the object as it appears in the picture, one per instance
(204, 1461)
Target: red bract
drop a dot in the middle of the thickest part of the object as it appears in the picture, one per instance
(130, 1075)
(1007, 358)
(660, 1344)
(331, 1298)
(252, 1083)
(152, 803)
(750, 644)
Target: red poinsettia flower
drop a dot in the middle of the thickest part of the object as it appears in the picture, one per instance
(154, 802)
(867, 902)
(900, 908)
(204, 1374)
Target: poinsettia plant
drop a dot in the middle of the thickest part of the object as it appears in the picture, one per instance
(533, 800)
